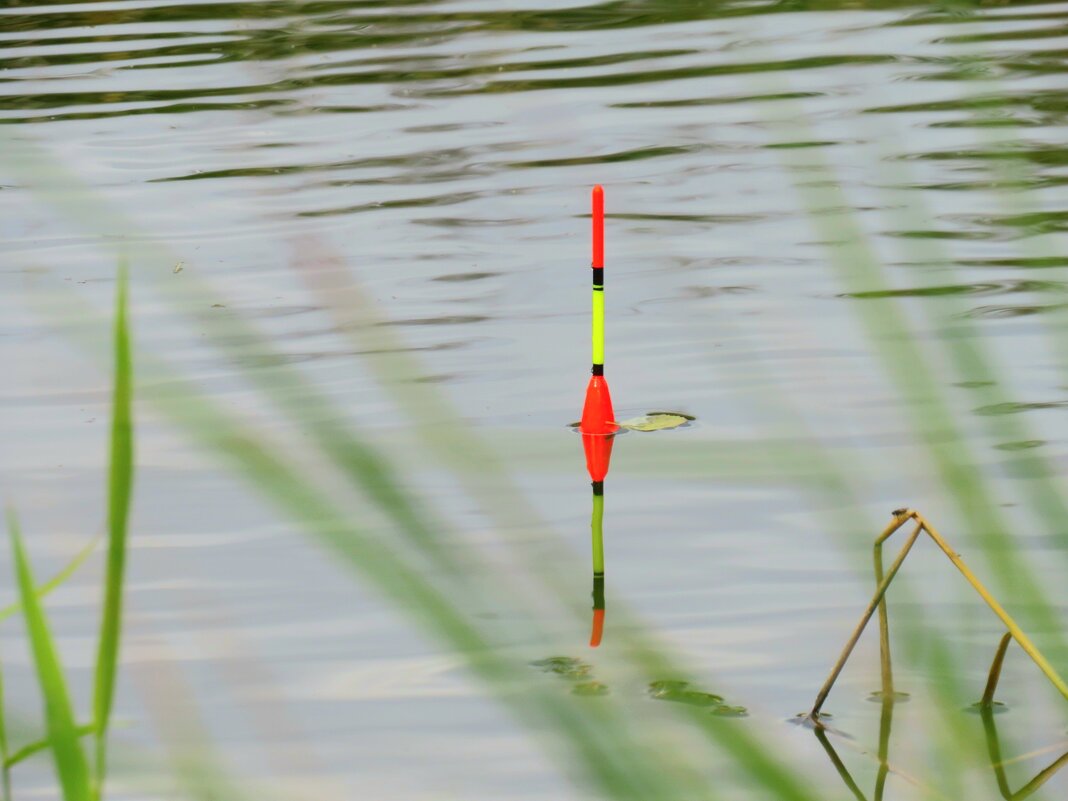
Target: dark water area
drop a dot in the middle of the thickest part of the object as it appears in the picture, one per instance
(755, 156)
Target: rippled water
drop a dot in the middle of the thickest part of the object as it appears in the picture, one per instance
(444, 150)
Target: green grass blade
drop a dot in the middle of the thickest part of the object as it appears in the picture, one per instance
(70, 764)
(56, 581)
(5, 775)
(3, 726)
(120, 484)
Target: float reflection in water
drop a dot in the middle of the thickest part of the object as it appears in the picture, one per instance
(597, 544)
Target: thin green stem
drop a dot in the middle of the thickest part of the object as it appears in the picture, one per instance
(995, 671)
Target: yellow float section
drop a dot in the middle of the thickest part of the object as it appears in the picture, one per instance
(596, 524)
(598, 325)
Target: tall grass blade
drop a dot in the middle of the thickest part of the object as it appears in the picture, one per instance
(69, 758)
(120, 484)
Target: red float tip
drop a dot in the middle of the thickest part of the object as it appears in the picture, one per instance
(598, 628)
(598, 450)
(598, 226)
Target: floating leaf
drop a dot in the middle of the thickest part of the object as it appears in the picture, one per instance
(656, 421)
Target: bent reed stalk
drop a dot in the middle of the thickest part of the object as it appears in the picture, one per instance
(900, 517)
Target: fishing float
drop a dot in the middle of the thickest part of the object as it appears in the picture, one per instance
(598, 426)
(598, 418)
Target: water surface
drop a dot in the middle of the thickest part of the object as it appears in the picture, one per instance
(443, 151)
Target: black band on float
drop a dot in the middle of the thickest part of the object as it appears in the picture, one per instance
(598, 276)
(598, 369)
(598, 487)
(598, 590)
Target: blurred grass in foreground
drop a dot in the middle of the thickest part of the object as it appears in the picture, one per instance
(428, 570)
(63, 734)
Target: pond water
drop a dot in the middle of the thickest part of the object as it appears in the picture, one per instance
(439, 155)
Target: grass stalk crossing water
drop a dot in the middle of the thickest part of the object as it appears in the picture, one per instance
(37, 746)
(63, 734)
(69, 760)
(45, 589)
(120, 486)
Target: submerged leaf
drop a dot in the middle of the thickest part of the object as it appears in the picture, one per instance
(680, 692)
(1021, 445)
(566, 666)
(656, 421)
(727, 711)
(590, 688)
(666, 686)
